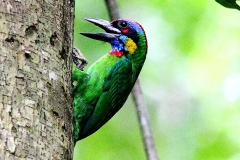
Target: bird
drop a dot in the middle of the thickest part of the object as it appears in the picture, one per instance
(100, 92)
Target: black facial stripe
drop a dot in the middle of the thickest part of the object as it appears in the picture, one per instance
(133, 35)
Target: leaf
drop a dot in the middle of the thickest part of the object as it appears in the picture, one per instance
(229, 4)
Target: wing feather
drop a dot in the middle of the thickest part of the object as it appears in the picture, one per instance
(116, 88)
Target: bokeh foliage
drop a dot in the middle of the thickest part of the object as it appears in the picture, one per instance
(191, 81)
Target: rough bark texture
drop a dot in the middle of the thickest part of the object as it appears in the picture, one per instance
(35, 79)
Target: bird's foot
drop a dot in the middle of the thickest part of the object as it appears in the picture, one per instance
(79, 59)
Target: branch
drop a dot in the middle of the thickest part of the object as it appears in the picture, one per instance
(143, 119)
(138, 98)
(112, 8)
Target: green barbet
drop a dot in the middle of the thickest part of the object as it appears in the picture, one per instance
(103, 89)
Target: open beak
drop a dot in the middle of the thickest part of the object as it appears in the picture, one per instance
(111, 32)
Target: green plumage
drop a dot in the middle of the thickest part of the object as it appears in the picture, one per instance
(103, 89)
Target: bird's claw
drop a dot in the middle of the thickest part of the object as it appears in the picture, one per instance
(79, 59)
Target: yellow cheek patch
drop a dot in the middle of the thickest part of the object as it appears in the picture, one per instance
(130, 45)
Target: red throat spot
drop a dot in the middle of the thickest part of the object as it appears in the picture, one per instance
(117, 53)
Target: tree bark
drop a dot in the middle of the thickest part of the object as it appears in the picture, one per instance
(35, 79)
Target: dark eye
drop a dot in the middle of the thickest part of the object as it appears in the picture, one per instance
(122, 24)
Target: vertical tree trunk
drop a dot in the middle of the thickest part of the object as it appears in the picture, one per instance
(35, 79)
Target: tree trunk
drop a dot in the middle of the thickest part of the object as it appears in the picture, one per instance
(35, 79)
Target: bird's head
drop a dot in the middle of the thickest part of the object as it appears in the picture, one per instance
(125, 36)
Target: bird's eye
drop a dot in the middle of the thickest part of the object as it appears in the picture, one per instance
(122, 24)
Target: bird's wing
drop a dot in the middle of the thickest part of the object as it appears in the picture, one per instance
(116, 89)
(78, 75)
(80, 109)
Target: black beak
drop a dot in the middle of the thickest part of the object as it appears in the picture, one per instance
(111, 32)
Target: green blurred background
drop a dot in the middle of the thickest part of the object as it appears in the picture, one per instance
(191, 81)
